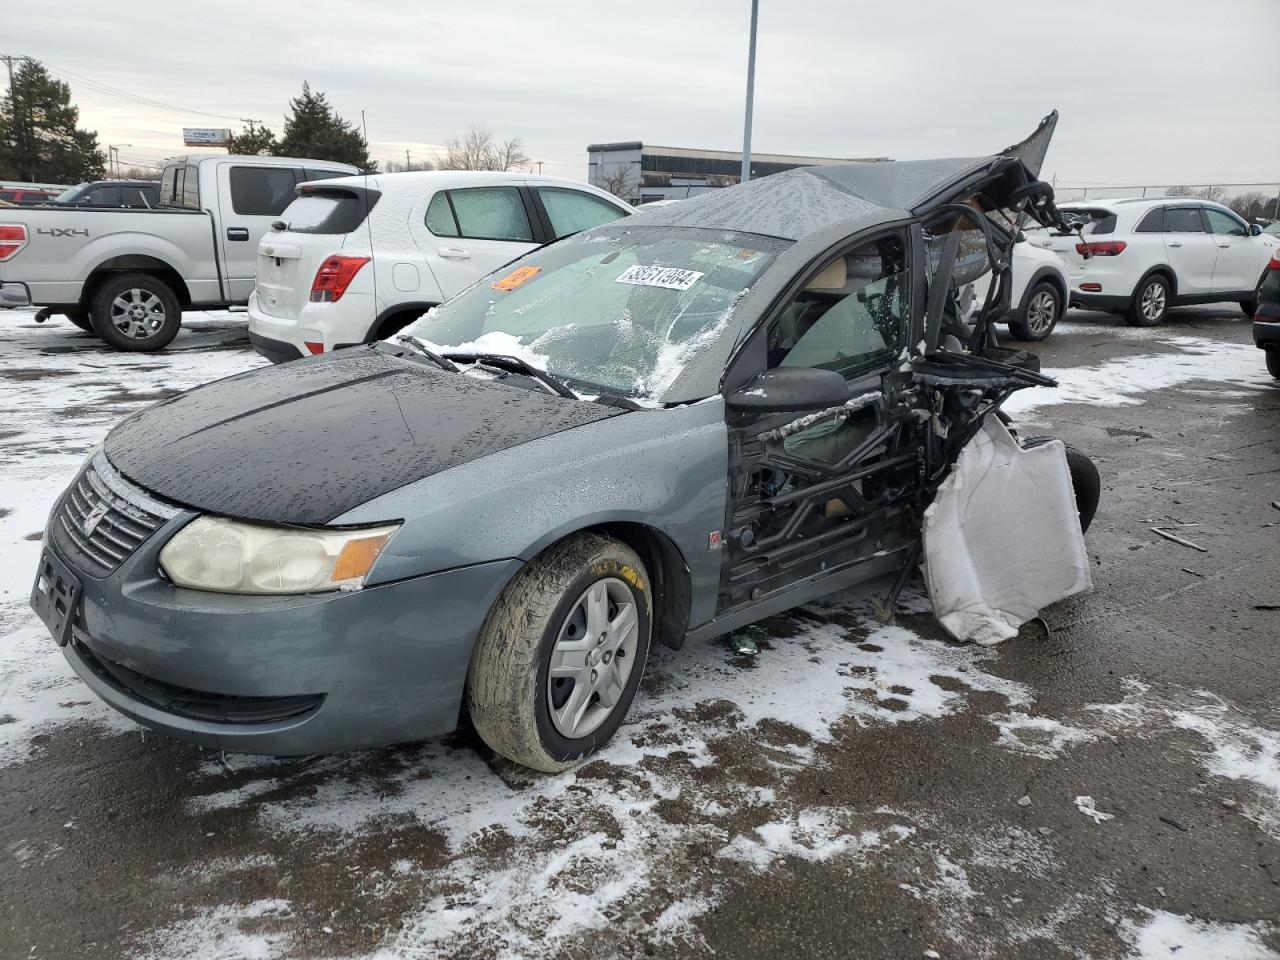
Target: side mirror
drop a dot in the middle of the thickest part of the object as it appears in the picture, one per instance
(790, 390)
(1255, 230)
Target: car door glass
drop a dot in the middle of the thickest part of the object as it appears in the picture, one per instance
(851, 316)
(440, 216)
(1183, 220)
(491, 213)
(1224, 225)
(573, 210)
(261, 191)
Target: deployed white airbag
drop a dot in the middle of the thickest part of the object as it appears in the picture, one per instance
(1002, 537)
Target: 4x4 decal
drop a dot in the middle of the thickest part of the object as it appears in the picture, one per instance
(62, 232)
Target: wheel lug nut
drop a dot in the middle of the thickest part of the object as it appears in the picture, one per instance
(594, 676)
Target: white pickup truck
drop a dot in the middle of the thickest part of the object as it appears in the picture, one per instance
(127, 275)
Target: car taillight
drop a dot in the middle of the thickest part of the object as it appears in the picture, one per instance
(1273, 265)
(13, 237)
(1101, 248)
(334, 276)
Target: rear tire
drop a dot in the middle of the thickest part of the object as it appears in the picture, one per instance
(1150, 302)
(560, 657)
(1273, 361)
(1250, 306)
(79, 319)
(1086, 482)
(136, 311)
(1040, 315)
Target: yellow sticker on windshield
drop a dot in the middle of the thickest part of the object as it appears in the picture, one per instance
(515, 278)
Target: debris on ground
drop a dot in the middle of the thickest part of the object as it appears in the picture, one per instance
(1177, 539)
(1085, 805)
(1024, 801)
(745, 645)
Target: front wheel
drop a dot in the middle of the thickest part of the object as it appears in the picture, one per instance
(1150, 303)
(136, 311)
(560, 657)
(1041, 314)
(1086, 482)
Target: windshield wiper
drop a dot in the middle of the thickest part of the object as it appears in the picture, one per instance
(504, 361)
(422, 348)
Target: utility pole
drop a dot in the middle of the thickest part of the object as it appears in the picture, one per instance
(751, 93)
(539, 163)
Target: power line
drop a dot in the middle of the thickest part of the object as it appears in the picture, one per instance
(133, 98)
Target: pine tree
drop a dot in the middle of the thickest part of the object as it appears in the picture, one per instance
(39, 139)
(253, 141)
(315, 131)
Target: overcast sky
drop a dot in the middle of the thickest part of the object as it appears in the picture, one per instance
(1150, 91)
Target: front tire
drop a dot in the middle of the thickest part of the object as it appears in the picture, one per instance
(137, 312)
(560, 657)
(1086, 482)
(1040, 315)
(1273, 361)
(1150, 302)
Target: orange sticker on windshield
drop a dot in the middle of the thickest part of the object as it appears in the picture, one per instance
(515, 278)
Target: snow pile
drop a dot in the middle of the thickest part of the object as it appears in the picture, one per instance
(223, 932)
(1164, 935)
(1122, 382)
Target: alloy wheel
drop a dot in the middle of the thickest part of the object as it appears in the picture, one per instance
(137, 313)
(1041, 311)
(1153, 301)
(592, 659)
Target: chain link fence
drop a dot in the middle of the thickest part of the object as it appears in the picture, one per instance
(1253, 201)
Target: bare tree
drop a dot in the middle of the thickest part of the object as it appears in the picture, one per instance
(1216, 194)
(477, 150)
(1251, 204)
(616, 180)
(140, 173)
(408, 166)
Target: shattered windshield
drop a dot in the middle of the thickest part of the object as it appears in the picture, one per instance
(622, 311)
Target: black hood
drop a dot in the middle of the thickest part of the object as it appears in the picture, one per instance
(307, 441)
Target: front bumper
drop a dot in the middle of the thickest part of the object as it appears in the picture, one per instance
(283, 676)
(14, 295)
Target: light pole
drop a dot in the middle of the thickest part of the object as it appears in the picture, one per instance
(113, 156)
(751, 93)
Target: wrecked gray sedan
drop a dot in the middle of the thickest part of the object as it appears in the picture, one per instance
(655, 431)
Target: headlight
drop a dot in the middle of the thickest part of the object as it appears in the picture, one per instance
(225, 556)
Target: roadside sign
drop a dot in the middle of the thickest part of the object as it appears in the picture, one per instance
(205, 137)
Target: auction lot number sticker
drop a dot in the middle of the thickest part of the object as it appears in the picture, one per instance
(648, 275)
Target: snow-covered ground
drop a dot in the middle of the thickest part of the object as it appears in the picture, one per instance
(699, 784)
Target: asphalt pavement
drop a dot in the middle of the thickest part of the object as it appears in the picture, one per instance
(1106, 785)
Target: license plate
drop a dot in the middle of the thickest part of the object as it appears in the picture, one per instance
(55, 596)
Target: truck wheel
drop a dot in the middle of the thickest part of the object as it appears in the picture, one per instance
(1150, 302)
(560, 656)
(1086, 482)
(79, 319)
(136, 311)
(1041, 314)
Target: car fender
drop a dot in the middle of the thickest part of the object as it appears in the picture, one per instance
(665, 469)
(1055, 274)
(103, 250)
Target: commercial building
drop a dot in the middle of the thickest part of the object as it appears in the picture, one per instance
(641, 173)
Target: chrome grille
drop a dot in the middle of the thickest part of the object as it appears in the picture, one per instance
(106, 518)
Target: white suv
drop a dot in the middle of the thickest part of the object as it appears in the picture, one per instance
(355, 259)
(1140, 257)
